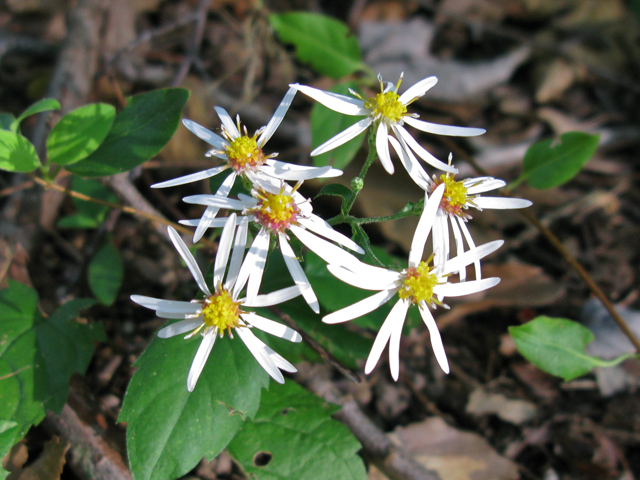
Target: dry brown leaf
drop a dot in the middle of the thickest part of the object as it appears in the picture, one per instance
(454, 454)
(510, 410)
(13, 264)
(49, 465)
(16, 458)
(557, 77)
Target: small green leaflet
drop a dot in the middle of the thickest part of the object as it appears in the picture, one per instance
(37, 357)
(17, 154)
(557, 346)
(79, 133)
(324, 42)
(548, 164)
(105, 273)
(40, 106)
(293, 437)
(169, 429)
(325, 123)
(138, 133)
(89, 215)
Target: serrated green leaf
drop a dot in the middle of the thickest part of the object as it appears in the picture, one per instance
(548, 164)
(37, 357)
(79, 133)
(105, 273)
(325, 123)
(6, 119)
(17, 154)
(90, 215)
(557, 346)
(294, 432)
(169, 429)
(40, 106)
(138, 133)
(324, 42)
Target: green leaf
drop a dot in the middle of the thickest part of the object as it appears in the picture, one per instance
(40, 106)
(17, 154)
(326, 123)
(337, 190)
(90, 215)
(138, 133)
(37, 358)
(557, 346)
(106, 273)
(6, 119)
(79, 133)
(324, 42)
(293, 437)
(548, 164)
(170, 429)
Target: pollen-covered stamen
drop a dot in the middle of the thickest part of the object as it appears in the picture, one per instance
(243, 153)
(276, 211)
(219, 311)
(418, 283)
(455, 199)
(386, 107)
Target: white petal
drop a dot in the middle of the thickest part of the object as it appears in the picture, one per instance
(211, 212)
(321, 227)
(224, 247)
(396, 335)
(417, 90)
(411, 165)
(360, 308)
(471, 243)
(440, 240)
(382, 147)
(274, 298)
(459, 246)
(343, 137)
(482, 184)
(466, 288)
(431, 205)
(228, 123)
(501, 203)
(253, 267)
(239, 245)
(275, 121)
(334, 101)
(467, 258)
(280, 362)
(215, 223)
(188, 259)
(193, 177)
(377, 280)
(165, 305)
(394, 321)
(205, 134)
(272, 328)
(439, 129)
(259, 351)
(420, 151)
(436, 340)
(180, 327)
(216, 201)
(325, 250)
(201, 358)
(297, 273)
(288, 171)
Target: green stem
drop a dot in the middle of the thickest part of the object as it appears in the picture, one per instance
(358, 182)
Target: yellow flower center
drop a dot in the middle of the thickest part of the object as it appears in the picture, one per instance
(418, 284)
(243, 153)
(220, 311)
(455, 196)
(276, 211)
(386, 106)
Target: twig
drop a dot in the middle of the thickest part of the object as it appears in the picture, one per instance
(376, 446)
(124, 208)
(194, 42)
(16, 188)
(315, 345)
(557, 244)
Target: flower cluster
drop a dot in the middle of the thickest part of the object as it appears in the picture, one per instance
(278, 210)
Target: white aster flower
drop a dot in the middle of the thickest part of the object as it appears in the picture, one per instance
(223, 310)
(244, 155)
(458, 197)
(280, 210)
(419, 284)
(387, 111)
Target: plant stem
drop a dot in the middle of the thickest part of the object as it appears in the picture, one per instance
(557, 244)
(123, 208)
